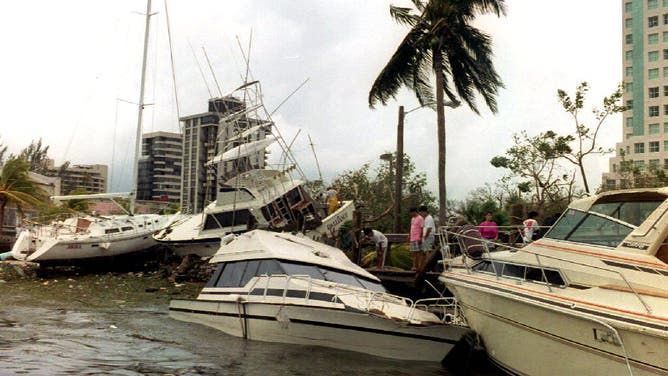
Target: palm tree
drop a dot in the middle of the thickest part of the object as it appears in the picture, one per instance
(442, 41)
(16, 188)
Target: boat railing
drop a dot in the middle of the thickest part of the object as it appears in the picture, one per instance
(447, 307)
(489, 255)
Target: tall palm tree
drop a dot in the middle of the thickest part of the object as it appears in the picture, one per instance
(442, 41)
(16, 188)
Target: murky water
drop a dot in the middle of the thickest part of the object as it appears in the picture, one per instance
(118, 325)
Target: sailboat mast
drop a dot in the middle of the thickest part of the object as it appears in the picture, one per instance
(140, 111)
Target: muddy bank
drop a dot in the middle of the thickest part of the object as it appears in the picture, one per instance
(15, 270)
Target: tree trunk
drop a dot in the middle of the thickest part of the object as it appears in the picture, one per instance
(584, 176)
(3, 203)
(440, 116)
(400, 171)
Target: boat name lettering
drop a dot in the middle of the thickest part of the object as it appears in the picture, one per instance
(635, 245)
(336, 221)
(74, 246)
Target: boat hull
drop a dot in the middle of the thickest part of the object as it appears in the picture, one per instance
(531, 337)
(317, 326)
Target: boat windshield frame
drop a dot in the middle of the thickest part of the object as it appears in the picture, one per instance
(578, 224)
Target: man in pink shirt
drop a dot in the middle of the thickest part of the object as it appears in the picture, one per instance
(415, 238)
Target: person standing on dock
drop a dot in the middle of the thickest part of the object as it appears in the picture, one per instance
(489, 230)
(415, 238)
(428, 231)
(380, 241)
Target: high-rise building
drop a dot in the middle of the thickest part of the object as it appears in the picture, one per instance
(91, 178)
(206, 135)
(160, 167)
(645, 76)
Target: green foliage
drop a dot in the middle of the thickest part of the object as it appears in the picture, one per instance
(16, 187)
(376, 192)
(532, 162)
(474, 211)
(81, 206)
(585, 136)
(36, 155)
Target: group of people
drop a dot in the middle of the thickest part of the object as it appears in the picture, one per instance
(489, 230)
(423, 231)
(421, 238)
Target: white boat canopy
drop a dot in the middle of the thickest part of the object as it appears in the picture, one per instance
(242, 150)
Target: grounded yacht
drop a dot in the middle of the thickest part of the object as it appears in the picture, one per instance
(589, 298)
(266, 199)
(279, 287)
(86, 237)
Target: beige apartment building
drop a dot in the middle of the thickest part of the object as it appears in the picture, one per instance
(92, 178)
(645, 76)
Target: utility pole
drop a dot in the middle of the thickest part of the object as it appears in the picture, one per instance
(398, 177)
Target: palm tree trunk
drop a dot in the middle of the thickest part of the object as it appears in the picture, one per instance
(440, 118)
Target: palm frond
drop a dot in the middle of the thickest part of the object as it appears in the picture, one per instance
(400, 69)
(404, 16)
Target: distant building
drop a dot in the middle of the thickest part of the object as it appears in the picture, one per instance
(91, 178)
(645, 74)
(160, 167)
(206, 135)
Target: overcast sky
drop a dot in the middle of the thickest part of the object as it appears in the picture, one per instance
(66, 63)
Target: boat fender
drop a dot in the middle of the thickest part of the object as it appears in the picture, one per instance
(105, 245)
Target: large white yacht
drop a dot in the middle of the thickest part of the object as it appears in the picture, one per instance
(589, 298)
(279, 287)
(85, 238)
(260, 198)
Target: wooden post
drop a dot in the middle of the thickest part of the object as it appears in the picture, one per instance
(398, 177)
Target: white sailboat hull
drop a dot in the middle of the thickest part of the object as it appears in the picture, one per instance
(318, 326)
(528, 336)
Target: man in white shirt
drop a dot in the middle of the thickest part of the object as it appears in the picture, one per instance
(530, 227)
(428, 231)
(380, 241)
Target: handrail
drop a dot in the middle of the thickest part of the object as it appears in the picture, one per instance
(515, 249)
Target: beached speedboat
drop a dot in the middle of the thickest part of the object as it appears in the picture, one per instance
(278, 287)
(589, 298)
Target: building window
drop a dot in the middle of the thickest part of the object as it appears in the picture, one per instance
(665, 164)
(665, 71)
(653, 92)
(653, 56)
(629, 105)
(651, 39)
(665, 127)
(629, 135)
(628, 7)
(653, 164)
(628, 150)
(639, 147)
(629, 55)
(652, 4)
(665, 3)
(614, 167)
(628, 23)
(653, 73)
(628, 87)
(653, 21)
(654, 129)
(665, 109)
(640, 165)
(629, 71)
(654, 146)
(628, 38)
(665, 146)
(629, 121)
(665, 19)
(653, 111)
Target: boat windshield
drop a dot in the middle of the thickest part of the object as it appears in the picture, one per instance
(589, 228)
(634, 213)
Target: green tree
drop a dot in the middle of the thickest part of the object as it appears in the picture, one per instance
(375, 192)
(585, 140)
(534, 161)
(442, 41)
(36, 155)
(16, 187)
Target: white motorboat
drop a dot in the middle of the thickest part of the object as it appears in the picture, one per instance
(589, 298)
(85, 238)
(279, 287)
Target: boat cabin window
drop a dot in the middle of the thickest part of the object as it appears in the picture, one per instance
(522, 272)
(634, 213)
(127, 228)
(589, 228)
(111, 231)
(226, 219)
(239, 273)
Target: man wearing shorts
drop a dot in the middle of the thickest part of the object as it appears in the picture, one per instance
(415, 238)
(428, 232)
